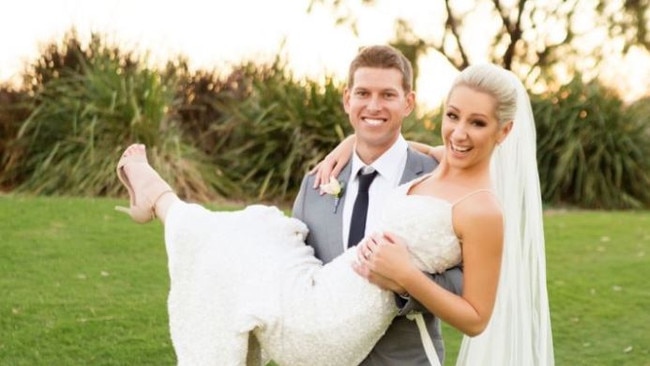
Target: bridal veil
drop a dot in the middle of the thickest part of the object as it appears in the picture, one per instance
(519, 332)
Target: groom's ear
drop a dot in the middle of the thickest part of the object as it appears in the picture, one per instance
(410, 103)
(346, 100)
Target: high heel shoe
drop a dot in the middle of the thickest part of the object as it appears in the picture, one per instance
(142, 210)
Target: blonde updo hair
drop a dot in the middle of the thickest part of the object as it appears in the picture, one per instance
(492, 80)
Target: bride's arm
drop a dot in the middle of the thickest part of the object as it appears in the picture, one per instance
(482, 233)
(451, 280)
(481, 228)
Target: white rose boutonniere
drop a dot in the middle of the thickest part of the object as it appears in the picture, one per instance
(333, 188)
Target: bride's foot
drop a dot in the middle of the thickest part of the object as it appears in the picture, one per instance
(144, 184)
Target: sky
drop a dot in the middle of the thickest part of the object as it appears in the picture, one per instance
(212, 33)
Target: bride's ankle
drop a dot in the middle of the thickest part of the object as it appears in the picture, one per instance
(163, 203)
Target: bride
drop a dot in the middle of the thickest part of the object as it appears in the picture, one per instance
(245, 287)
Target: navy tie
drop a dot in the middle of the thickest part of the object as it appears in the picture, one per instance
(360, 209)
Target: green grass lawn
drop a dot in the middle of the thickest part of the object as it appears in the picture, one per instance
(598, 267)
(80, 284)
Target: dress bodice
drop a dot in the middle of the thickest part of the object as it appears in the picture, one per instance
(425, 222)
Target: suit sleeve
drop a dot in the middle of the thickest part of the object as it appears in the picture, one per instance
(298, 210)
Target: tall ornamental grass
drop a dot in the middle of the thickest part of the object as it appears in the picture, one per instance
(15, 107)
(592, 149)
(270, 129)
(253, 132)
(97, 101)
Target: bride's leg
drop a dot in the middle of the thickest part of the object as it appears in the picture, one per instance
(204, 327)
(150, 196)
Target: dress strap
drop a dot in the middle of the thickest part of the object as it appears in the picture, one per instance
(427, 343)
(470, 194)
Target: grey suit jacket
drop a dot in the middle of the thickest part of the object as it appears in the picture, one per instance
(401, 345)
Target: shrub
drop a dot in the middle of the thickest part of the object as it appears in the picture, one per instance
(86, 114)
(262, 128)
(254, 133)
(272, 128)
(592, 152)
(15, 106)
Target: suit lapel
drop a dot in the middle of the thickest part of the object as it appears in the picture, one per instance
(335, 218)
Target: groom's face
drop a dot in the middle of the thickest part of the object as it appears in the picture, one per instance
(377, 104)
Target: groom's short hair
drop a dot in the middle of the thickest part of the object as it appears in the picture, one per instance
(383, 57)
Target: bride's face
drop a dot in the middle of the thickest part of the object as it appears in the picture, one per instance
(470, 128)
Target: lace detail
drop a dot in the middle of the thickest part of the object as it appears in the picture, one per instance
(425, 222)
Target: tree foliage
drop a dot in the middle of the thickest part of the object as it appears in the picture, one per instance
(532, 37)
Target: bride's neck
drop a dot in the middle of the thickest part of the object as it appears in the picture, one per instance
(475, 176)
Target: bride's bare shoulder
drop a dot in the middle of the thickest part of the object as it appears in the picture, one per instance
(480, 208)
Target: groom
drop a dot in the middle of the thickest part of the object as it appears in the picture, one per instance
(378, 97)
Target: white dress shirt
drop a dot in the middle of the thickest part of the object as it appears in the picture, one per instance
(390, 167)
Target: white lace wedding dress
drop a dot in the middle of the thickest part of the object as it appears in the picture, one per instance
(246, 272)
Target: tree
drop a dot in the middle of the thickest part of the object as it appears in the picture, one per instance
(531, 37)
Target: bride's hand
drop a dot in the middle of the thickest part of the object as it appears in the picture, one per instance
(390, 257)
(377, 279)
(334, 162)
(364, 257)
(364, 248)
